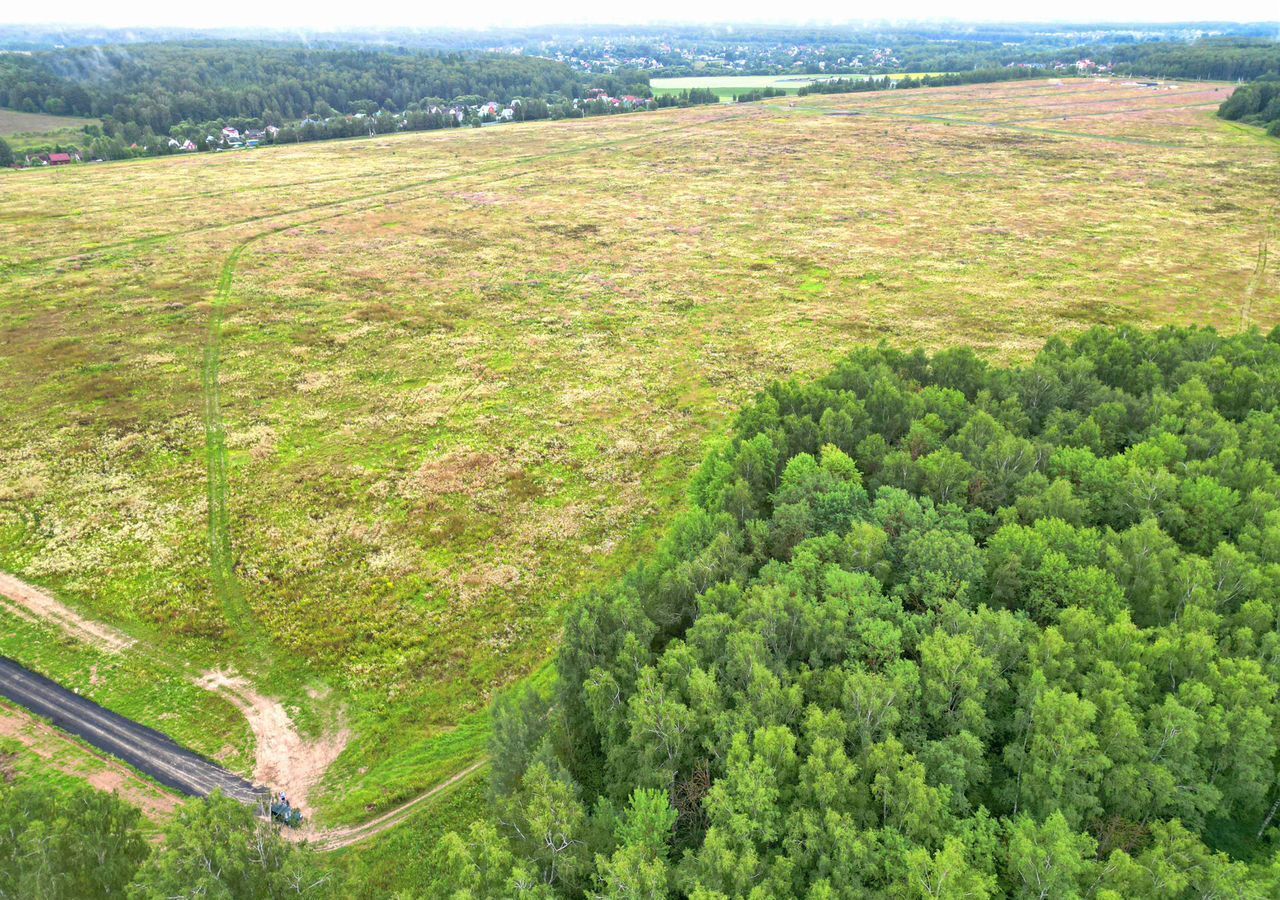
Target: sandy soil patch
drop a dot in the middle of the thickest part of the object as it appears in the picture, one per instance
(285, 761)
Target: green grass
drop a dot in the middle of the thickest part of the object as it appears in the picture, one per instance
(407, 858)
(25, 131)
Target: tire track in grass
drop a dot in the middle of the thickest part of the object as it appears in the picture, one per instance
(105, 253)
(227, 589)
(221, 565)
(882, 112)
(337, 838)
(222, 562)
(241, 622)
(1002, 126)
(1259, 272)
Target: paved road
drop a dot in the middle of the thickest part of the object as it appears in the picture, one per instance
(146, 750)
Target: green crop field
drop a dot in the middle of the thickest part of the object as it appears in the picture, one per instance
(14, 122)
(24, 129)
(357, 419)
(726, 87)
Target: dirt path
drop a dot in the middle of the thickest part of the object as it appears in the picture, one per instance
(337, 838)
(221, 563)
(221, 550)
(31, 603)
(284, 760)
(75, 759)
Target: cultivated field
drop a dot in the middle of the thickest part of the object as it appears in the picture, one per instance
(358, 418)
(14, 122)
(24, 129)
(727, 87)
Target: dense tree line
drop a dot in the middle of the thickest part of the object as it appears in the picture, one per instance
(157, 86)
(978, 76)
(759, 94)
(77, 842)
(1215, 59)
(690, 97)
(932, 628)
(1257, 104)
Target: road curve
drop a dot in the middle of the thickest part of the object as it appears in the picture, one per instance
(147, 750)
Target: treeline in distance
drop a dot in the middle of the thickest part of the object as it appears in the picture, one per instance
(157, 86)
(1255, 104)
(979, 76)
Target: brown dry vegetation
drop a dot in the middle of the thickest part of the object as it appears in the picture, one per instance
(463, 375)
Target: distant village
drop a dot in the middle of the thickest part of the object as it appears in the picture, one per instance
(608, 56)
(230, 137)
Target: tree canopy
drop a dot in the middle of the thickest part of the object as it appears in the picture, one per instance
(930, 628)
(1257, 104)
(157, 86)
(76, 842)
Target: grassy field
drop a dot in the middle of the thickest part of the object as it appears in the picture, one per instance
(359, 418)
(22, 129)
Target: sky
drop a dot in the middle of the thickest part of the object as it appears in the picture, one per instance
(323, 15)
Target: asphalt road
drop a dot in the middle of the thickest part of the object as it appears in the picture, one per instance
(145, 749)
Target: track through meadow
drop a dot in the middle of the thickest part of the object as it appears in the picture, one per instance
(221, 552)
(112, 252)
(283, 758)
(1259, 270)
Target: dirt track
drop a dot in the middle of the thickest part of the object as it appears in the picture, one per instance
(283, 759)
(160, 757)
(337, 838)
(31, 603)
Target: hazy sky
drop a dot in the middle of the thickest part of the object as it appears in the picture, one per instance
(319, 15)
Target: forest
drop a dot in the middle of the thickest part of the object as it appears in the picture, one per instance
(157, 86)
(74, 842)
(1214, 59)
(931, 628)
(1255, 104)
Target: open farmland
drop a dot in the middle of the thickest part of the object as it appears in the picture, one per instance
(24, 129)
(357, 418)
(726, 87)
(14, 122)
